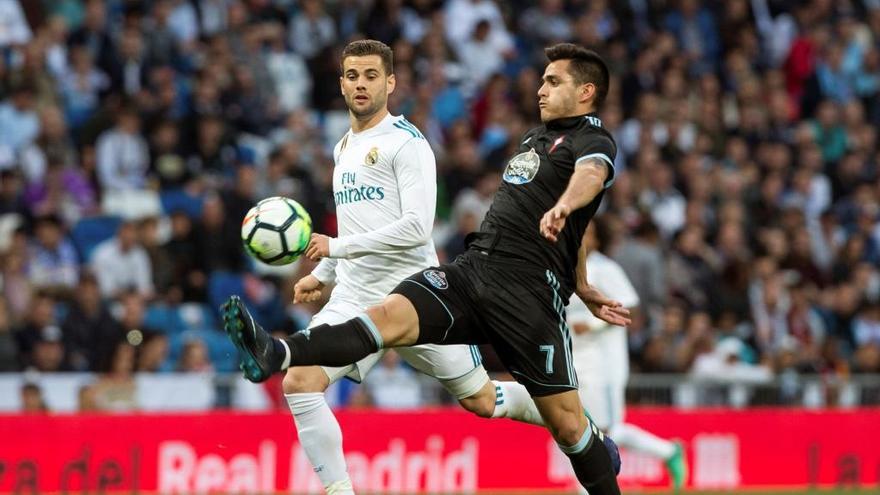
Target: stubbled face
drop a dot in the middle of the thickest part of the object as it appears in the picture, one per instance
(559, 95)
(365, 85)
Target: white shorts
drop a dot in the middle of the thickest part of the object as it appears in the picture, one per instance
(602, 366)
(458, 367)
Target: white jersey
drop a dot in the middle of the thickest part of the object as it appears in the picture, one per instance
(602, 350)
(600, 355)
(385, 190)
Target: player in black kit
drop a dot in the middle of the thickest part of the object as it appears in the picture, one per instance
(510, 288)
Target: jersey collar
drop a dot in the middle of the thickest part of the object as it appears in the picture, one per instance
(569, 122)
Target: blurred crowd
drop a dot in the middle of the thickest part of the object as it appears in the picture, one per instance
(135, 134)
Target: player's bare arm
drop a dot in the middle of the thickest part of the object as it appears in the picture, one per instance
(585, 184)
(602, 307)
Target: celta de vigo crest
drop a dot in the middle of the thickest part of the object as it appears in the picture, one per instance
(436, 278)
(522, 168)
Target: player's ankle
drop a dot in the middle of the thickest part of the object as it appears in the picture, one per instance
(343, 487)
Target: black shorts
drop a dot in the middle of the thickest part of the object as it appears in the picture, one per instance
(485, 299)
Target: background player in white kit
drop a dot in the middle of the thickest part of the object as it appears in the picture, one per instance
(385, 188)
(601, 357)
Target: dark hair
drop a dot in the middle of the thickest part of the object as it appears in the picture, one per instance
(586, 67)
(362, 48)
(603, 233)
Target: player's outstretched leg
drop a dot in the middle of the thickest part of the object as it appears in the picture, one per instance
(593, 455)
(393, 323)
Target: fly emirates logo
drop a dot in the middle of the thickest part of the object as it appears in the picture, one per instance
(349, 192)
(398, 468)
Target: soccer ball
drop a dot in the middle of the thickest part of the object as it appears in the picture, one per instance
(276, 230)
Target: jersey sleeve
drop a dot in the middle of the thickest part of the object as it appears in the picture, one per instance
(616, 285)
(596, 146)
(416, 174)
(325, 271)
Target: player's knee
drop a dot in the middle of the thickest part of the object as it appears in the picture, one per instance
(568, 429)
(300, 380)
(397, 321)
(480, 405)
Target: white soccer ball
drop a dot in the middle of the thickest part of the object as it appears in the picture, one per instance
(276, 230)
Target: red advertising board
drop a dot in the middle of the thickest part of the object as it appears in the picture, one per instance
(436, 451)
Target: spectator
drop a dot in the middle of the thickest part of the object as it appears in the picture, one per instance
(194, 357)
(116, 390)
(121, 263)
(86, 400)
(90, 333)
(47, 355)
(311, 30)
(128, 74)
(153, 353)
(56, 185)
(480, 56)
(16, 285)
(123, 155)
(723, 363)
(219, 241)
(663, 200)
(12, 200)
(162, 43)
(40, 318)
(690, 274)
(182, 248)
(161, 264)
(130, 312)
(462, 16)
(53, 262)
(82, 86)
(290, 75)
(19, 123)
(167, 163)
(695, 30)
(642, 260)
(546, 23)
(93, 35)
(32, 401)
(15, 30)
(9, 358)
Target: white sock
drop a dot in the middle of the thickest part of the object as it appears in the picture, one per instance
(321, 438)
(634, 438)
(286, 363)
(513, 401)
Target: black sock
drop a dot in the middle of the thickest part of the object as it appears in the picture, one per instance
(594, 468)
(333, 345)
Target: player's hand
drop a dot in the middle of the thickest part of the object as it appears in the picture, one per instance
(307, 290)
(604, 308)
(319, 247)
(554, 221)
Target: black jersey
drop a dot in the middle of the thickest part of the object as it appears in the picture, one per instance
(533, 182)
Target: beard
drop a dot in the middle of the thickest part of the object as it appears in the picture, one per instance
(377, 103)
(561, 106)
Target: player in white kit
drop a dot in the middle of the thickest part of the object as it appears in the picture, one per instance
(385, 188)
(601, 357)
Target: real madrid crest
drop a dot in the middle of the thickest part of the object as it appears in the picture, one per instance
(372, 157)
(522, 168)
